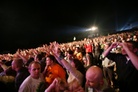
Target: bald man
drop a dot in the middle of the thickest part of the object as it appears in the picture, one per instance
(95, 80)
(22, 72)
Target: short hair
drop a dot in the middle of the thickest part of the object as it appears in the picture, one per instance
(33, 62)
(18, 61)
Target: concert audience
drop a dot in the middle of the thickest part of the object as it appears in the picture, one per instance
(122, 51)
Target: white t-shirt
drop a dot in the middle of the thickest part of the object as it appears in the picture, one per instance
(30, 84)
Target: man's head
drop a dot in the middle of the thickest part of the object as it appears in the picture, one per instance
(35, 69)
(94, 77)
(132, 45)
(50, 60)
(17, 64)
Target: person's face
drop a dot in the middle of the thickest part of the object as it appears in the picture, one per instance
(91, 81)
(13, 65)
(84, 60)
(48, 61)
(106, 46)
(35, 70)
(77, 50)
(130, 46)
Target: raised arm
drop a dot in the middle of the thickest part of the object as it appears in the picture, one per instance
(131, 53)
(65, 64)
(106, 52)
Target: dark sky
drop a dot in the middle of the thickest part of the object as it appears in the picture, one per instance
(30, 23)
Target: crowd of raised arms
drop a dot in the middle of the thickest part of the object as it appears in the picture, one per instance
(101, 64)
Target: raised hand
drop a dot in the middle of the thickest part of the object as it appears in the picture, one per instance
(54, 47)
(115, 44)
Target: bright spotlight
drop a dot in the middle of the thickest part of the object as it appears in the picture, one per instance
(94, 28)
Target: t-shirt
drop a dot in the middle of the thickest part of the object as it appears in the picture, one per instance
(54, 72)
(30, 84)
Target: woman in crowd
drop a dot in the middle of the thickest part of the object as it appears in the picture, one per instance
(76, 77)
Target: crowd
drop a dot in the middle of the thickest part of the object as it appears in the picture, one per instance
(101, 64)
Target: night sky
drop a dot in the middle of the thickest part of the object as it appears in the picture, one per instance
(31, 23)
